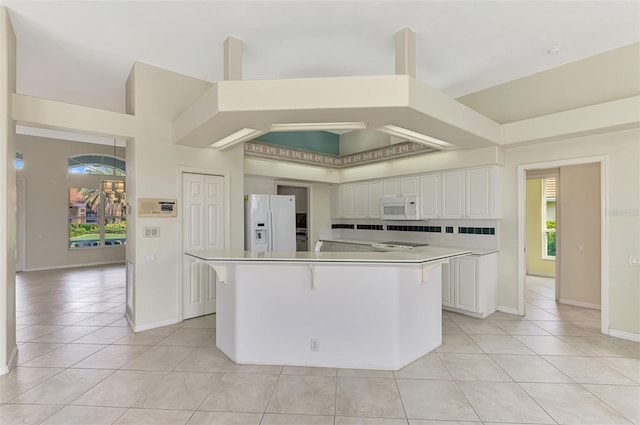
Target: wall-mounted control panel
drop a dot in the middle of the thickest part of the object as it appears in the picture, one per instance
(152, 207)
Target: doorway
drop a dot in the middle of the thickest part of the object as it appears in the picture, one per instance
(301, 192)
(581, 257)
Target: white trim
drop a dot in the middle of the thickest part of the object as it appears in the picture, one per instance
(508, 310)
(624, 335)
(579, 304)
(153, 325)
(309, 187)
(12, 360)
(74, 266)
(604, 229)
(21, 216)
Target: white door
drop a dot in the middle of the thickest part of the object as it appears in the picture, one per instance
(202, 228)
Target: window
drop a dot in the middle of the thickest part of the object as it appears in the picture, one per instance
(19, 161)
(549, 218)
(97, 214)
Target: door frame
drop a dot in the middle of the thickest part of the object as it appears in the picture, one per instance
(309, 188)
(604, 230)
(181, 170)
(21, 228)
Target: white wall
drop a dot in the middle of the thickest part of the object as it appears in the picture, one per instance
(622, 150)
(47, 184)
(7, 193)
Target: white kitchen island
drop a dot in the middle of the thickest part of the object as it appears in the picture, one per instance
(374, 310)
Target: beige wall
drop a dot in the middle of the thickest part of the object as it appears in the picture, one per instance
(47, 184)
(622, 153)
(579, 238)
(7, 193)
(158, 97)
(362, 140)
(536, 265)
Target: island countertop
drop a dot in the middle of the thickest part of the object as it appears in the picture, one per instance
(424, 255)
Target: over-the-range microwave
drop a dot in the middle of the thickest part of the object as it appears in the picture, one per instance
(400, 208)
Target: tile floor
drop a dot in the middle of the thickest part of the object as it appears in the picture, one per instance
(79, 363)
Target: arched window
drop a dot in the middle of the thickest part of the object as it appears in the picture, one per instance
(19, 161)
(99, 164)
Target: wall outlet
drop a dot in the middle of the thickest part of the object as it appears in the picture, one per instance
(634, 260)
(315, 344)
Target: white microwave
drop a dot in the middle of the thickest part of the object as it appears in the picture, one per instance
(400, 208)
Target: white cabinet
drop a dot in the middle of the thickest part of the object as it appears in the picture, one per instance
(430, 195)
(348, 200)
(336, 201)
(453, 194)
(469, 285)
(482, 191)
(375, 194)
(362, 200)
(402, 186)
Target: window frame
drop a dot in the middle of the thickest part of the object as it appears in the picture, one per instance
(546, 231)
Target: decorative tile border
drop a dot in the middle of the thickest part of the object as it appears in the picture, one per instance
(398, 150)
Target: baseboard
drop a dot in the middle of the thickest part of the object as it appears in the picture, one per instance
(72, 266)
(579, 304)
(507, 310)
(12, 359)
(624, 335)
(154, 325)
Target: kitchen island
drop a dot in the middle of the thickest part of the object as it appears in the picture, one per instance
(374, 310)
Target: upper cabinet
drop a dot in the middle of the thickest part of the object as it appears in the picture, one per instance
(336, 201)
(401, 186)
(375, 194)
(482, 190)
(430, 195)
(453, 194)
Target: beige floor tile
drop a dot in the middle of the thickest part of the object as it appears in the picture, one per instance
(34, 332)
(64, 387)
(209, 342)
(450, 327)
(632, 346)
(85, 415)
(151, 337)
(597, 346)
(557, 327)
(180, 390)
(472, 326)
(101, 319)
(206, 360)
(623, 398)
(154, 417)
(120, 323)
(588, 370)
(572, 404)
(504, 402)
(187, 337)
(369, 397)
(314, 395)
(548, 345)
(225, 418)
(529, 368)
(276, 419)
(366, 373)
(159, 358)
(629, 367)
(343, 420)
(473, 367)
(312, 371)
(67, 334)
(65, 356)
(241, 393)
(22, 379)
(423, 422)
(122, 389)
(523, 327)
(431, 399)
(428, 366)
(106, 335)
(97, 307)
(500, 344)
(112, 357)
(535, 313)
(454, 343)
(26, 414)
(208, 321)
(32, 350)
(67, 319)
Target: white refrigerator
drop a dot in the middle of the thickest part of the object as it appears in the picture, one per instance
(270, 223)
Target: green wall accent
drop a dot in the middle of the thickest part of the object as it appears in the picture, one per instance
(314, 141)
(536, 265)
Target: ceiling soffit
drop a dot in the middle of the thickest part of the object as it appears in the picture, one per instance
(229, 106)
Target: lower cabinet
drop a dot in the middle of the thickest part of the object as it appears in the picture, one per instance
(469, 285)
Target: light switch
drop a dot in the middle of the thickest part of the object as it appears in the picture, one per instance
(150, 258)
(151, 232)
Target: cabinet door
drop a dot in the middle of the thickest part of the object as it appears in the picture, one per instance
(480, 193)
(410, 186)
(391, 188)
(336, 201)
(447, 284)
(349, 200)
(375, 194)
(362, 200)
(453, 194)
(430, 196)
(466, 284)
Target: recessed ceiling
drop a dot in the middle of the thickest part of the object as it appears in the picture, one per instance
(81, 52)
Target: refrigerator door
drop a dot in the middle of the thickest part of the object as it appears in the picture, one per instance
(283, 223)
(257, 232)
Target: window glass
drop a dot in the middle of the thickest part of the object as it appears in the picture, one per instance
(97, 215)
(97, 164)
(19, 161)
(549, 218)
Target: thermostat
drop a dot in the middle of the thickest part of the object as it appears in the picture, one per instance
(151, 207)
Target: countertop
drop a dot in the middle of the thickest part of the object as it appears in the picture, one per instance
(472, 251)
(424, 255)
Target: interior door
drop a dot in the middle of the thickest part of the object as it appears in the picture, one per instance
(202, 228)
